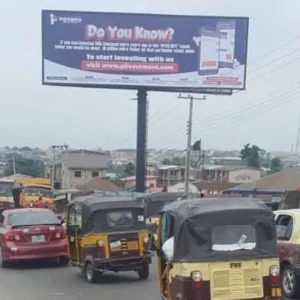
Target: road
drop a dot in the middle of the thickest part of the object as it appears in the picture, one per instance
(44, 281)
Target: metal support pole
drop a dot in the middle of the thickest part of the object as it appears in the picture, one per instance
(53, 165)
(141, 140)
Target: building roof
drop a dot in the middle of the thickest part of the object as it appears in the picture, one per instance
(85, 159)
(167, 167)
(99, 184)
(288, 179)
(133, 178)
(214, 185)
(228, 168)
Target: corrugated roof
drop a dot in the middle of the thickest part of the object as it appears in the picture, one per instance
(214, 185)
(288, 179)
(228, 168)
(90, 160)
(100, 184)
(167, 167)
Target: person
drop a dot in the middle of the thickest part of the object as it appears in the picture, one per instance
(168, 248)
(40, 203)
(31, 205)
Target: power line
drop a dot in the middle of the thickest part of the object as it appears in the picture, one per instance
(277, 101)
(251, 79)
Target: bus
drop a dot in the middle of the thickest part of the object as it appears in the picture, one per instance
(6, 197)
(27, 195)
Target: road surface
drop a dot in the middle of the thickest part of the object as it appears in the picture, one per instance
(44, 281)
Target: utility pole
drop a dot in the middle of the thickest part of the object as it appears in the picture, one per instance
(14, 164)
(63, 147)
(298, 137)
(189, 140)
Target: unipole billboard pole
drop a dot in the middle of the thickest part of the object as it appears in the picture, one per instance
(189, 141)
(141, 140)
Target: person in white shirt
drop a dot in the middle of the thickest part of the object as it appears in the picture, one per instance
(168, 248)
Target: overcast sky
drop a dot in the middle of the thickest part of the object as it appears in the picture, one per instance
(266, 114)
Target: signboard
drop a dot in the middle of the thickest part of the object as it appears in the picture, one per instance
(157, 52)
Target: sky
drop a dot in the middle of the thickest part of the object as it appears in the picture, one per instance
(266, 114)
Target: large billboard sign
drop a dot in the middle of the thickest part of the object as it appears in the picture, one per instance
(157, 52)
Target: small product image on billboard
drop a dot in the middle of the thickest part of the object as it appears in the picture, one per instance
(158, 52)
(209, 52)
(227, 44)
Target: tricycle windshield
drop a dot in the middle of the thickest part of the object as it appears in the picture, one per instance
(116, 220)
(233, 238)
(119, 218)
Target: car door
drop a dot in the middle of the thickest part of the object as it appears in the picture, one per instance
(285, 228)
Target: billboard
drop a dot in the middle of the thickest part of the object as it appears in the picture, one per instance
(157, 52)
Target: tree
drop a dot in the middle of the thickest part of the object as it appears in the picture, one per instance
(251, 155)
(25, 166)
(167, 161)
(25, 148)
(129, 169)
(115, 180)
(276, 165)
(176, 161)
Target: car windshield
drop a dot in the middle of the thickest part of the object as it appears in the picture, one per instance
(233, 238)
(37, 190)
(32, 218)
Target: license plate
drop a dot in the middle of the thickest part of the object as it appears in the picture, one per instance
(38, 239)
(115, 244)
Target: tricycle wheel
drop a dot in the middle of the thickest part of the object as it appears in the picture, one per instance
(290, 283)
(144, 272)
(90, 273)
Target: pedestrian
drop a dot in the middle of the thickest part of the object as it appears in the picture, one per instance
(40, 203)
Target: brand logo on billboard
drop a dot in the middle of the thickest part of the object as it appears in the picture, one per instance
(66, 20)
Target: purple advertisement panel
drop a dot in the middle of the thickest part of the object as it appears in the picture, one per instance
(158, 52)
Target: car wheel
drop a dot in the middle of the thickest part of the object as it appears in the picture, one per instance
(290, 283)
(144, 272)
(64, 261)
(90, 273)
(3, 263)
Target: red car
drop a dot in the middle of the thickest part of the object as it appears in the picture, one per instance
(31, 233)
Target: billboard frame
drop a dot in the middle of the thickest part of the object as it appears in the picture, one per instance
(148, 88)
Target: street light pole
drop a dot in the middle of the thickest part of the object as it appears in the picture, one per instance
(189, 140)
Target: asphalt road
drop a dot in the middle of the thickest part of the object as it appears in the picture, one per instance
(44, 281)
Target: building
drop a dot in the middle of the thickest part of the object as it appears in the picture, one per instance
(213, 188)
(180, 187)
(78, 167)
(170, 175)
(234, 174)
(99, 184)
(275, 184)
(129, 183)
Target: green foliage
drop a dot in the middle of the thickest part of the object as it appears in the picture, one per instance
(176, 161)
(276, 165)
(129, 169)
(116, 170)
(25, 166)
(251, 155)
(115, 180)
